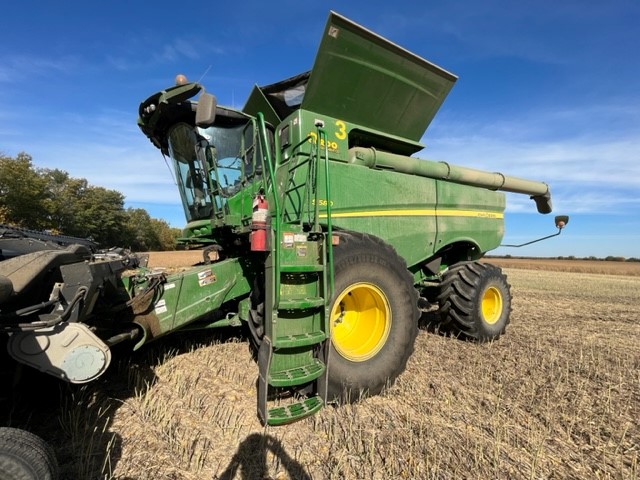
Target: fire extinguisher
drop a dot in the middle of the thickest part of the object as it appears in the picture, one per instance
(259, 219)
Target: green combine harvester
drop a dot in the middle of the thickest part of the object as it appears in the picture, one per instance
(326, 234)
(319, 232)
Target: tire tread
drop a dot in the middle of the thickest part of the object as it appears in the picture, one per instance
(354, 249)
(19, 447)
(459, 297)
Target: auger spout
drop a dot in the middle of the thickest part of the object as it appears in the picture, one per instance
(372, 158)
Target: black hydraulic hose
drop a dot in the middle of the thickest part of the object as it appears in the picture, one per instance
(80, 295)
(121, 337)
(64, 316)
(34, 308)
(141, 300)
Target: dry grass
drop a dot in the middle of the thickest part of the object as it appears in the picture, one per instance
(557, 397)
(629, 269)
(190, 257)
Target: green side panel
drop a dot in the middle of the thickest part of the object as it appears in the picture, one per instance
(191, 295)
(257, 102)
(398, 208)
(362, 78)
(470, 214)
(416, 215)
(240, 205)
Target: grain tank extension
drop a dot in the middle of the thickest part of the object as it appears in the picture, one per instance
(321, 234)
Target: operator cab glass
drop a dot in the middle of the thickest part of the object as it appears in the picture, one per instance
(213, 164)
(191, 172)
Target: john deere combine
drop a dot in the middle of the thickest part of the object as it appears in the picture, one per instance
(319, 232)
(326, 232)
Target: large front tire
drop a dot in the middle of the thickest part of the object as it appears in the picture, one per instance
(374, 317)
(475, 300)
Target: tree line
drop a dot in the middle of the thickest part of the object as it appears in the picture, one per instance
(50, 199)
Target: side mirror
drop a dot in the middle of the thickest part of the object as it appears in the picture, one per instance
(561, 221)
(206, 110)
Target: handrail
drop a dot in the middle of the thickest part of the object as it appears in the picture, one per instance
(312, 178)
(296, 164)
(262, 128)
(329, 237)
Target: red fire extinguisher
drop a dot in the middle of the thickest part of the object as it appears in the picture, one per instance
(259, 219)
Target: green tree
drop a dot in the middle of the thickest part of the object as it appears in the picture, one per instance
(166, 235)
(65, 193)
(23, 192)
(100, 214)
(52, 199)
(140, 233)
(76, 208)
(147, 234)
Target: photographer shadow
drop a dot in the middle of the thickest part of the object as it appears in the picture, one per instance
(251, 460)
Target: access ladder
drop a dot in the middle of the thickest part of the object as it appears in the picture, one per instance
(293, 355)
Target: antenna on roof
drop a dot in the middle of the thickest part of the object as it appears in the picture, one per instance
(205, 72)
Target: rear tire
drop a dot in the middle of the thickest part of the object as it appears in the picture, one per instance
(475, 301)
(25, 456)
(373, 319)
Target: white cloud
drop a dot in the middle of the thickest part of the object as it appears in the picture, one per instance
(14, 68)
(135, 169)
(589, 169)
(143, 53)
(189, 48)
(572, 161)
(107, 149)
(179, 48)
(583, 200)
(567, 33)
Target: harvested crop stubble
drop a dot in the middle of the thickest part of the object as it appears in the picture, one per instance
(604, 267)
(557, 397)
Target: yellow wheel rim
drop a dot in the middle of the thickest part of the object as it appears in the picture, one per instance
(360, 322)
(491, 305)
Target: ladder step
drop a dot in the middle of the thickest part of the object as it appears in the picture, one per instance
(300, 340)
(294, 412)
(301, 303)
(301, 268)
(297, 375)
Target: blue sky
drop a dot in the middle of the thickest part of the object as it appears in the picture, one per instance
(547, 90)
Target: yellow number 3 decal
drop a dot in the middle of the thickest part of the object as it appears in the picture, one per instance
(341, 134)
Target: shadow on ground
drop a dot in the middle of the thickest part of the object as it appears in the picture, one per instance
(76, 419)
(251, 460)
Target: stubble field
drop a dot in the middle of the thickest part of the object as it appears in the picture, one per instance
(557, 397)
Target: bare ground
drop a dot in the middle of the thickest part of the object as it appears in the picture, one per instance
(576, 266)
(557, 397)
